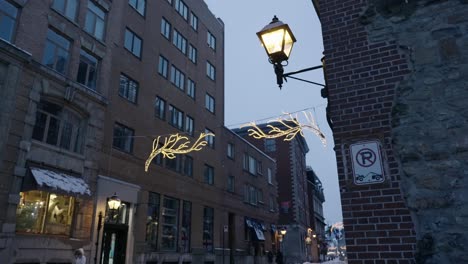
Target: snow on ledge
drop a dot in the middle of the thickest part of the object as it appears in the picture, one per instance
(60, 181)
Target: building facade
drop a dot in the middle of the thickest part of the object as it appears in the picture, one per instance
(316, 219)
(86, 88)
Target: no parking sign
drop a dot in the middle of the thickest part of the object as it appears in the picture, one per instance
(367, 162)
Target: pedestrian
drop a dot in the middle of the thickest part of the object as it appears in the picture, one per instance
(279, 257)
(270, 257)
(80, 258)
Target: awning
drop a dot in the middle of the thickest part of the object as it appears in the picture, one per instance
(259, 232)
(248, 222)
(60, 181)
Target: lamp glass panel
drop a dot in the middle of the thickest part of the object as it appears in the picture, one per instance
(273, 41)
(288, 43)
(114, 204)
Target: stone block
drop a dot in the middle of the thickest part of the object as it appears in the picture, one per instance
(448, 49)
(8, 228)
(20, 171)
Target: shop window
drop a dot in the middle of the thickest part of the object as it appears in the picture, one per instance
(169, 219)
(42, 212)
(152, 219)
(208, 225)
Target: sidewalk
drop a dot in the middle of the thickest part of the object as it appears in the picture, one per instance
(335, 261)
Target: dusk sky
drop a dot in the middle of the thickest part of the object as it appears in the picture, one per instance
(251, 92)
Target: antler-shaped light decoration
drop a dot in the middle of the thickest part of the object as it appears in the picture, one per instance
(288, 128)
(176, 144)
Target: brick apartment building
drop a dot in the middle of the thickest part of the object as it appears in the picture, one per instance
(316, 219)
(86, 87)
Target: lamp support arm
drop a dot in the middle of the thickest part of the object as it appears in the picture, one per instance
(280, 76)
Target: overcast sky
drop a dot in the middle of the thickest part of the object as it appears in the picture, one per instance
(251, 92)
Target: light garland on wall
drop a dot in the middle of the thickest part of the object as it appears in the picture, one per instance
(176, 144)
(288, 128)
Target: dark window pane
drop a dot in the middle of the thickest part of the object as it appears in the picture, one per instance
(82, 70)
(53, 132)
(66, 136)
(39, 127)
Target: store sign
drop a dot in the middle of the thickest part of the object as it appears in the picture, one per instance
(367, 162)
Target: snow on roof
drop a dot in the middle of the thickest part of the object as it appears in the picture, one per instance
(60, 181)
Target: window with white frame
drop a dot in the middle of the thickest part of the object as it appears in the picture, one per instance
(67, 8)
(189, 125)
(250, 164)
(138, 5)
(87, 70)
(230, 150)
(95, 21)
(165, 28)
(208, 175)
(181, 8)
(177, 78)
(192, 54)
(179, 41)
(123, 138)
(211, 40)
(210, 71)
(177, 117)
(191, 88)
(270, 176)
(163, 65)
(193, 21)
(209, 138)
(128, 88)
(272, 203)
(160, 108)
(58, 126)
(133, 43)
(230, 183)
(209, 103)
(57, 52)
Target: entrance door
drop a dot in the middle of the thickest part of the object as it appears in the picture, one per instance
(114, 244)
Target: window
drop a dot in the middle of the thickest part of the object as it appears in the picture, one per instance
(163, 66)
(210, 138)
(270, 145)
(174, 164)
(133, 43)
(208, 224)
(8, 15)
(209, 103)
(270, 176)
(169, 223)
(259, 167)
(56, 52)
(165, 28)
(230, 184)
(208, 175)
(181, 8)
(40, 212)
(158, 160)
(87, 70)
(193, 21)
(272, 203)
(177, 117)
(138, 5)
(260, 195)
(253, 195)
(180, 42)
(123, 138)
(128, 88)
(192, 54)
(59, 127)
(230, 150)
(186, 226)
(188, 165)
(250, 164)
(177, 77)
(95, 21)
(211, 40)
(189, 125)
(191, 88)
(152, 219)
(66, 7)
(160, 108)
(210, 71)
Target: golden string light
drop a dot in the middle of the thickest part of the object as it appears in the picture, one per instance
(288, 127)
(176, 144)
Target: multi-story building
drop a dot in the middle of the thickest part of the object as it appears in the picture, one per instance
(87, 86)
(316, 219)
(292, 190)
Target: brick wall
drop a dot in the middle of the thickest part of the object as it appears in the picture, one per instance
(362, 74)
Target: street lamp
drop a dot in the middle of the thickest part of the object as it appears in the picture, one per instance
(114, 202)
(278, 40)
(283, 231)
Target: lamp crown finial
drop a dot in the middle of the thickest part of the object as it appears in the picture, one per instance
(275, 19)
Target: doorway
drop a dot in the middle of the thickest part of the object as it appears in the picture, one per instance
(114, 244)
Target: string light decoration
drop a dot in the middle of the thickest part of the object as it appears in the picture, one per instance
(287, 128)
(176, 144)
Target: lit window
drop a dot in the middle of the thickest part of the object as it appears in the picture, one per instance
(181, 8)
(138, 5)
(209, 175)
(162, 66)
(123, 138)
(133, 43)
(87, 70)
(95, 21)
(177, 117)
(192, 54)
(189, 125)
(211, 41)
(209, 103)
(42, 212)
(180, 42)
(210, 71)
(210, 139)
(160, 108)
(191, 88)
(165, 28)
(59, 127)
(66, 7)
(193, 21)
(57, 52)
(128, 88)
(177, 77)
